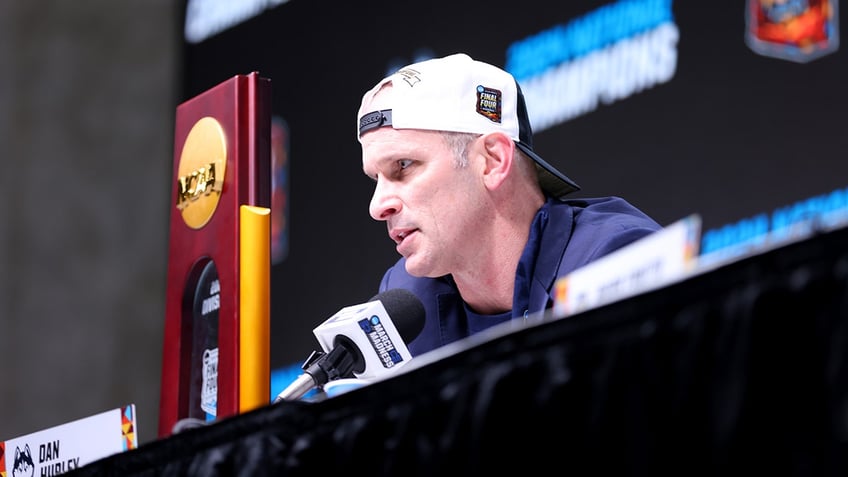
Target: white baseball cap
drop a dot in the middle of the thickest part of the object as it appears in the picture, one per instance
(457, 93)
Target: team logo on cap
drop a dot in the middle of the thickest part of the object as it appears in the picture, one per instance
(410, 76)
(489, 103)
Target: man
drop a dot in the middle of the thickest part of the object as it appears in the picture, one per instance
(477, 216)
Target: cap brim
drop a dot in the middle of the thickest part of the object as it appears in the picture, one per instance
(553, 182)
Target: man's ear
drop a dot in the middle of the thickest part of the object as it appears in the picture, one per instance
(498, 150)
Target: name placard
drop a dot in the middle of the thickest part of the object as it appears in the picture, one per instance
(658, 259)
(65, 447)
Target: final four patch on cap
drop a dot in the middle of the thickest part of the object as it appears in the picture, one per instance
(489, 103)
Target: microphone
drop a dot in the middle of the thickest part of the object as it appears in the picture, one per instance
(366, 340)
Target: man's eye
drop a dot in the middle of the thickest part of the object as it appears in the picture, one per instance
(404, 163)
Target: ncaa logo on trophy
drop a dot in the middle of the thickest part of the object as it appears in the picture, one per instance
(215, 350)
(201, 172)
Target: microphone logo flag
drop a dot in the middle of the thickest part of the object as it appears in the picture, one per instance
(369, 326)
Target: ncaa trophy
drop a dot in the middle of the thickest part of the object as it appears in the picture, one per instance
(216, 344)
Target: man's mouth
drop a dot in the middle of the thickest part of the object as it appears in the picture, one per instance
(399, 235)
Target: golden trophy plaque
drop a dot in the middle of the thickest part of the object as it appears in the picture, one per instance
(216, 350)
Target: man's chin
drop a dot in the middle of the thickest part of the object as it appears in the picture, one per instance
(413, 272)
(417, 270)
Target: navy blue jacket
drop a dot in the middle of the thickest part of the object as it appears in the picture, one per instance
(564, 236)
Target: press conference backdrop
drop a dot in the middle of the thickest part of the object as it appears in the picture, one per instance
(680, 107)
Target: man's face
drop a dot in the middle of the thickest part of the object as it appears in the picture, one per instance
(430, 206)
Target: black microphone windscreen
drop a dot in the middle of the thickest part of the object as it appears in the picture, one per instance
(405, 310)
